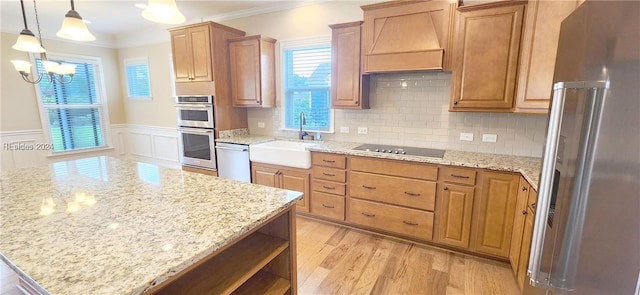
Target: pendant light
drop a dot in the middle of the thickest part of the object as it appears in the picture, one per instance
(163, 11)
(73, 28)
(27, 40)
(55, 72)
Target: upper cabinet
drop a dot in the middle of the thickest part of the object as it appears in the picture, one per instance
(407, 36)
(191, 48)
(538, 53)
(201, 67)
(253, 71)
(349, 89)
(487, 43)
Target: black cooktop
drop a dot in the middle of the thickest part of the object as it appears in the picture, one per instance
(401, 150)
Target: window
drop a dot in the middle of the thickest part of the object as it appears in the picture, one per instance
(138, 85)
(74, 114)
(307, 85)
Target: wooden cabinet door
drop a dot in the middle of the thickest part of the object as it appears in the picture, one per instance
(346, 87)
(265, 176)
(487, 44)
(297, 181)
(454, 209)
(202, 65)
(181, 55)
(523, 261)
(538, 53)
(518, 223)
(245, 72)
(494, 210)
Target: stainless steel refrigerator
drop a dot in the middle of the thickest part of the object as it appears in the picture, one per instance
(586, 237)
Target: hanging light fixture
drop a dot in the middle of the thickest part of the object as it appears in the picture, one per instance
(27, 40)
(54, 71)
(163, 11)
(73, 28)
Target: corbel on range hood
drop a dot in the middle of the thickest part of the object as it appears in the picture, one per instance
(407, 36)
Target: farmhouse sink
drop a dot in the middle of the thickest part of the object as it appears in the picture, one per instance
(280, 152)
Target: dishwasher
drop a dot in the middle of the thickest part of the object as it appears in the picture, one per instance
(233, 161)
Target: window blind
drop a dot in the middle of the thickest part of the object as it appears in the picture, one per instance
(138, 81)
(307, 75)
(74, 111)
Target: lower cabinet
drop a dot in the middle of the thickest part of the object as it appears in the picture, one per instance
(518, 224)
(455, 205)
(389, 218)
(283, 177)
(525, 249)
(493, 213)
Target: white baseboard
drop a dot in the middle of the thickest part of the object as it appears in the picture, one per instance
(152, 144)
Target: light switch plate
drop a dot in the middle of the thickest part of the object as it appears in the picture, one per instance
(466, 136)
(363, 130)
(344, 129)
(489, 137)
(260, 124)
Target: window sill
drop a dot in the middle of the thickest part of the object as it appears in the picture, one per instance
(82, 151)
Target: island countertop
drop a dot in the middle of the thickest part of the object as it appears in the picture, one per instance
(112, 226)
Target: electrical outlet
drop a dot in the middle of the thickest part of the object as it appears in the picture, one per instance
(260, 124)
(489, 137)
(466, 136)
(363, 130)
(344, 129)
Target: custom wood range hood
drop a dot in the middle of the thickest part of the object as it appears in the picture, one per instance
(407, 36)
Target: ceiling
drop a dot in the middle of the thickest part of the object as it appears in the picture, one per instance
(116, 16)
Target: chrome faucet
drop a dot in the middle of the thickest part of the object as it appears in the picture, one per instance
(303, 121)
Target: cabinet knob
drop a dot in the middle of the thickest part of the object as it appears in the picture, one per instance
(446, 188)
(524, 212)
(355, 102)
(524, 189)
(455, 102)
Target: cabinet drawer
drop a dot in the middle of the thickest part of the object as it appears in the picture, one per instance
(396, 168)
(331, 174)
(404, 221)
(327, 205)
(329, 160)
(414, 193)
(328, 187)
(458, 175)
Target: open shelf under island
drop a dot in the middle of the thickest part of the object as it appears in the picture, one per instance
(111, 226)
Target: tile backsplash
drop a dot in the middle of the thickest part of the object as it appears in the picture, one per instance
(411, 109)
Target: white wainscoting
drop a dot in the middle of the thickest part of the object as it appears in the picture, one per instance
(151, 143)
(158, 145)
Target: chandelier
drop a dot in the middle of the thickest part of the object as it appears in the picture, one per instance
(73, 28)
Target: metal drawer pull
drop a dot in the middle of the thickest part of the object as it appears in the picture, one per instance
(524, 188)
(411, 194)
(459, 176)
(328, 174)
(368, 214)
(368, 187)
(328, 161)
(409, 223)
(327, 206)
(524, 212)
(328, 187)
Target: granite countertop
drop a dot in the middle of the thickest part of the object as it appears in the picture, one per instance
(111, 226)
(529, 167)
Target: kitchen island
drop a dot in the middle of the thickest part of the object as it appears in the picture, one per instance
(111, 226)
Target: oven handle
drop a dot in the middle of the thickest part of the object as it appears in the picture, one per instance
(196, 130)
(230, 149)
(197, 107)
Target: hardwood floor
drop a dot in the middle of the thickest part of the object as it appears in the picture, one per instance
(337, 260)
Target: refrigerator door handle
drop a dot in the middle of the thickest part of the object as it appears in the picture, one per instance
(562, 278)
(546, 185)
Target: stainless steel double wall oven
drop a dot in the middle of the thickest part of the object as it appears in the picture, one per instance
(196, 131)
